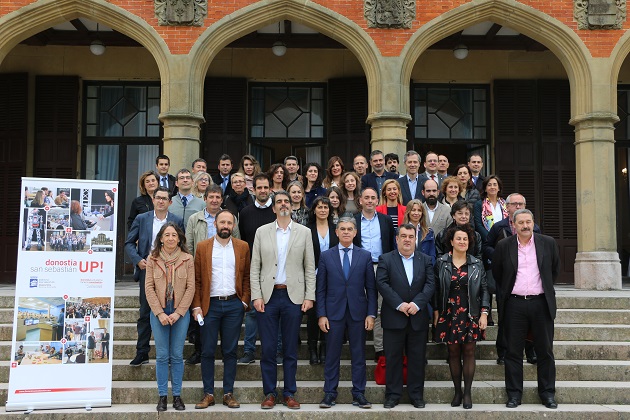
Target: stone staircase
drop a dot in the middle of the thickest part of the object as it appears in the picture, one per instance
(592, 349)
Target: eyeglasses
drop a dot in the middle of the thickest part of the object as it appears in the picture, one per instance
(204, 180)
(161, 198)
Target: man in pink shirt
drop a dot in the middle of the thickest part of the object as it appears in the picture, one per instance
(525, 266)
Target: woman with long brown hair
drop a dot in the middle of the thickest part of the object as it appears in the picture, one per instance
(250, 167)
(334, 171)
(143, 203)
(169, 288)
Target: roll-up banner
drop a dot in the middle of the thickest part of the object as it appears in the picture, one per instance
(64, 295)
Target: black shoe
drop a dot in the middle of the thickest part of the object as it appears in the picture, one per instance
(279, 359)
(328, 401)
(500, 361)
(360, 401)
(140, 359)
(247, 359)
(322, 353)
(390, 403)
(532, 360)
(162, 403)
(467, 401)
(457, 399)
(550, 403)
(178, 404)
(418, 403)
(377, 355)
(513, 403)
(194, 359)
(313, 359)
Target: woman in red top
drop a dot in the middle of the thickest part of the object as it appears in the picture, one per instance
(391, 202)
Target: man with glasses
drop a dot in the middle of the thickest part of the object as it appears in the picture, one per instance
(499, 231)
(140, 241)
(185, 204)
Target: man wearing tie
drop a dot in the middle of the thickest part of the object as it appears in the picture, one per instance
(346, 301)
(162, 165)
(431, 170)
(222, 179)
(405, 280)
(283, 288)
(185, 204)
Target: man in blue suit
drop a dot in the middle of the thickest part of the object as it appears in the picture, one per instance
(379, 175)
(138, 245)
(410, 188)
(346, 300)
(405, 280)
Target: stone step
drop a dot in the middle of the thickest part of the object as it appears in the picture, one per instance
(436, 392)
(433, 411)
(564, 316)
(437, 370)
(563, 332)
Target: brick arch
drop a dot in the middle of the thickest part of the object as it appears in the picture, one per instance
(555, 35)
(263, 13)
(39, 15)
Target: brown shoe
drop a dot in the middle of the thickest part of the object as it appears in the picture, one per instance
(268, 402)
(291, 403)
(230, 401)
(207, 401)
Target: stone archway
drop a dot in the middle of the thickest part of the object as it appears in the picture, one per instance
(257, 15)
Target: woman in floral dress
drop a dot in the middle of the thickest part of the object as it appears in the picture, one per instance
(461, 303)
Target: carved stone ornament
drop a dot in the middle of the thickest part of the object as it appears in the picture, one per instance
(599, 14)
(181, 12)
(389, 13)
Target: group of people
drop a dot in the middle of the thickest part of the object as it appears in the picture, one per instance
(62, 241)
(355, 251)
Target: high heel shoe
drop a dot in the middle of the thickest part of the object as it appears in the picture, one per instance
(467, 401)
(457, 399)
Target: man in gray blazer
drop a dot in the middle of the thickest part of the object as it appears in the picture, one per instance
(282, 279)
(439, 214)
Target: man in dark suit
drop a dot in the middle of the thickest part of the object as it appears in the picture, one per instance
(379, 175)
(162, 165)
(525, 266)
(346, 301)
(475, 163)
(405, 280)
(501, 230)
(409, 185)
(375, 233)
(138, 245)
(431, 170)
(222, 179)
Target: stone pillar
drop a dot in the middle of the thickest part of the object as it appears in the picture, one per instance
(182, 113)
(181, 138)
(597, 263)
(389, 109)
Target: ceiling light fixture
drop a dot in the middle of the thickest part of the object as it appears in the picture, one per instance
(460, 51)
(279, 48)
(97, 47)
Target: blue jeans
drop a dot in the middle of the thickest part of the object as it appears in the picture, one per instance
(169, 346)
(226, 317)
(251, 331)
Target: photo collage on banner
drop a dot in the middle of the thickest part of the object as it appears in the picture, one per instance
(64, 295)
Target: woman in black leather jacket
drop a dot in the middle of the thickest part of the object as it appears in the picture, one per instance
(461, 303)
(144, 202)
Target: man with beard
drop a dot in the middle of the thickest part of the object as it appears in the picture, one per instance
(439, 214)
(222, 295)
(202, 226)
(379, 175)
(392, 162)
(283, 289)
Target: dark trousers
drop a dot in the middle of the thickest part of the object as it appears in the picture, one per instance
(334, 344)
(279, 308)
(144, 321)
(414, 345)
(501, 342)
(521, 316)
(313, 332)
(225, 316)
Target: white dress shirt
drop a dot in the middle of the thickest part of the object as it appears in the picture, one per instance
(223, 270)
(282, 239)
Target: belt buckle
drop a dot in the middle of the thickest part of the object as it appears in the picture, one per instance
(223, 298)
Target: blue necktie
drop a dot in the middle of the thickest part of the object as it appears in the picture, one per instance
(224, 184)
(346, 263)
(184, 200)
(164, 184)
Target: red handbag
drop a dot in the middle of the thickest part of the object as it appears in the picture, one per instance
(379, 371)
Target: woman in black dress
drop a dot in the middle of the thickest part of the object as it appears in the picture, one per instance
(461, 303)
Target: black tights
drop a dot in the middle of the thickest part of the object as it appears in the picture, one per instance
(455, 363)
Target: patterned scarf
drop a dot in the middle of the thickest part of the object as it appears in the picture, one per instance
(487, 217)
(169, 261)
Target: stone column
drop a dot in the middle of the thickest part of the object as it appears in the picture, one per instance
(182, 114)
(389, 109)
(597, 263)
